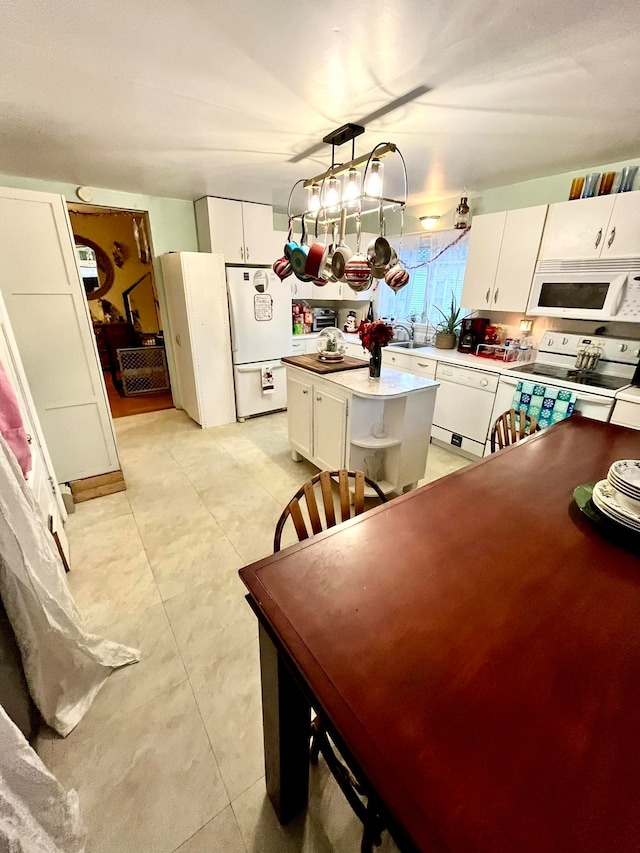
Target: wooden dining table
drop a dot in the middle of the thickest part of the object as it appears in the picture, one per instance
(474, 648)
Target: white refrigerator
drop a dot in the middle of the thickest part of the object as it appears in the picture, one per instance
(260, 312)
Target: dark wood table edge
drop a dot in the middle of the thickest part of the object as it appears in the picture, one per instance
(287, 701)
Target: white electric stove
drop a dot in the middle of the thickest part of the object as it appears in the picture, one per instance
(555, 364)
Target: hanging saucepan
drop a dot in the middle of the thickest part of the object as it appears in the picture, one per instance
(357, 272)
(317, 258)
(342, 253)
(299, 255)
(282, 267)
(379, 250)
(326, 271)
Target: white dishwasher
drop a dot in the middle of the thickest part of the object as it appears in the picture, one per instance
(464, 403)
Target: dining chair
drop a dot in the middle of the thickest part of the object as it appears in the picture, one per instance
(326, 510)
(510, 427)
(363, 802)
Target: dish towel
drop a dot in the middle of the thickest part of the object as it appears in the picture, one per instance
(547, 405)
(267, 379)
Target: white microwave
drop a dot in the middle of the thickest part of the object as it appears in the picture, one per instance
(584, 295)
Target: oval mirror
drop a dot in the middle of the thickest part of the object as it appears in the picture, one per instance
(96, 268)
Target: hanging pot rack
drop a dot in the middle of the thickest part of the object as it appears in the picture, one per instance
(365, 202)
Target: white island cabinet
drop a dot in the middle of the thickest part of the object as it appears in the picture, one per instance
(346, 420)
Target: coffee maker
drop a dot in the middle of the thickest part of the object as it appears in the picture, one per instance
(472, 333)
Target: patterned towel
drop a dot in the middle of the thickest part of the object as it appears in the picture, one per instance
(546, 405)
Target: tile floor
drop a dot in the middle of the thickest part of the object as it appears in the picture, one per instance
(169, 758)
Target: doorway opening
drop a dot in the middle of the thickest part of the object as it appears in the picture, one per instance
(115, 257)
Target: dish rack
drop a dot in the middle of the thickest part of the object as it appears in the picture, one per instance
(500, 352)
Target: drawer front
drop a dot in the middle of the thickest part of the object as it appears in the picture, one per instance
(626, 414)
(399, 360)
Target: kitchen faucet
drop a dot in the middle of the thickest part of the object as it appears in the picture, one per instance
(407, 328)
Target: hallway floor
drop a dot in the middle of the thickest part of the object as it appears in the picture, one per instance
(169, 758)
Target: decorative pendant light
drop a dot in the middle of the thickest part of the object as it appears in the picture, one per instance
(373, 186)
(352, 188)
(313, 202)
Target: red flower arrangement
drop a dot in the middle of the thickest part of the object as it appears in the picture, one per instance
(374, 334)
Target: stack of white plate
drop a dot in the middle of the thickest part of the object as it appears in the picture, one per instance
(618, 497)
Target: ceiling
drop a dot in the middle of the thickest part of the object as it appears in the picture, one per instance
(204, 96)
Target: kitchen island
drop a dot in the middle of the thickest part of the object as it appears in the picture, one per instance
(344, 419)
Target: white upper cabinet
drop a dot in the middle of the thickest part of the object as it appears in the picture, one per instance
(485, 242)
(258, 233)
(518, 256)
(503, 249)
(240, 230)
(604, 227)
(622, 238)
(577, 229)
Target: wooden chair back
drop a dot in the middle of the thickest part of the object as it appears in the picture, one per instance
(510, 427)
(325, 512)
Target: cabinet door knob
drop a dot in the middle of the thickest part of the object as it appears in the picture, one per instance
(304, 391)
(612, 237)
(484, 382)
(598, 238)
(318, 399)
(247, 251)
(486, 299)
(495, 295)
(242, 252)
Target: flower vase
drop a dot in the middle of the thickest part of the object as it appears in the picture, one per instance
(375, 362)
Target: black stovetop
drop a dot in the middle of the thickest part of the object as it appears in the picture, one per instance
(596, 380)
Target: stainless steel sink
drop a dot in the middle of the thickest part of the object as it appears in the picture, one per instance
(407, 345)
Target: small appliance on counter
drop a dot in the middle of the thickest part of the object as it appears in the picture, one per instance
(472, 333)
(324, 318)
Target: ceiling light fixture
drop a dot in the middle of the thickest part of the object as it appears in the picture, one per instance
(429, 221)
(361, 189)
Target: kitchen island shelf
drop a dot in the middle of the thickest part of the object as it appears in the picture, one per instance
(370, 441)
(384, 485)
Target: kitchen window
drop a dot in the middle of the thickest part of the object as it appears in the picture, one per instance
(431, 286)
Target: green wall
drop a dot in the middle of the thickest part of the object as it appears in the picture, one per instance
(173, 222)
(547, 190)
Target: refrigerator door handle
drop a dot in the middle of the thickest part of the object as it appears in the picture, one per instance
(244, 368)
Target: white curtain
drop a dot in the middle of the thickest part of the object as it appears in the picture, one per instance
(36, 816)
(64, 666)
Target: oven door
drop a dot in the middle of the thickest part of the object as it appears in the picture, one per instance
(578, 296)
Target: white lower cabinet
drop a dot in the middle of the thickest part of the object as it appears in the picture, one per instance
(355, 350)
(300, 415)
(317, 421)
(329, 429)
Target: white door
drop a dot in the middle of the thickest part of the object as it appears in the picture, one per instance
(175, 293)
(299, 414)
(518, 256)
(49, 314)
(41, 478)
(260, 309)
(622, 239)
(576, 229)
(220, 228)
(258, 233)
(485, 242)
(329, 429)
(332, 290)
